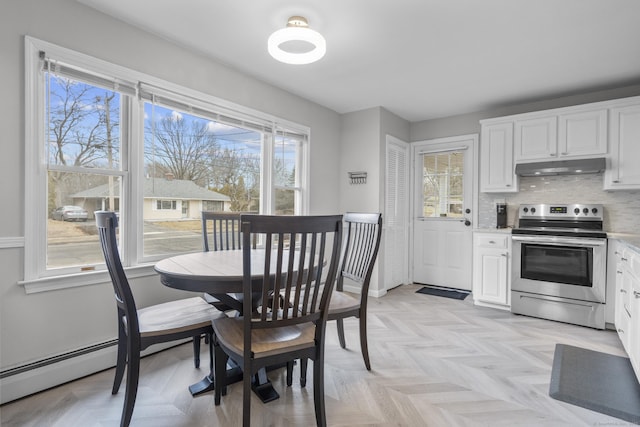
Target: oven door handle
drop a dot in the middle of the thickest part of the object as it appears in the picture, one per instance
(554, 240)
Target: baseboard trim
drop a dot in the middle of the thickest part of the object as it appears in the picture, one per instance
(372, 293)
(27, 379)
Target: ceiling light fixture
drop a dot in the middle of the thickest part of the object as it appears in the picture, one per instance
(298, 32)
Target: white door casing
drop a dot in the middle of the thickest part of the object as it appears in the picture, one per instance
(443, 246)
(396, 213)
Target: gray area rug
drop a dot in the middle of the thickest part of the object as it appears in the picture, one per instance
(597, 381)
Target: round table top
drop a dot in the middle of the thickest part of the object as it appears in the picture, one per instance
(214, 272)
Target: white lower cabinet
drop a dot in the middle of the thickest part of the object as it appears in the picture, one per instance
(627, 303)
(492, 269)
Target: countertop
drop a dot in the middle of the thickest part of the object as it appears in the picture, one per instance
(631, 239)
(493, 230)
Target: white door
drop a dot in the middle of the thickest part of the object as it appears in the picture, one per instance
(396, 214)
(443, 211)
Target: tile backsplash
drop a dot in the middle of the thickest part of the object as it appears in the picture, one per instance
(621, 207)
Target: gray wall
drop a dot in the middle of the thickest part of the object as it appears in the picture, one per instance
(35, 326)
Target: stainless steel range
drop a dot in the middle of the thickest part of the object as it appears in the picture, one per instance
(559, 263)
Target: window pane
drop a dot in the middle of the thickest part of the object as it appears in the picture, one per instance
(442, 184)
(72, 238)
(284, 164)
(194, 163)
(286, 180)
(83, 124)
(285, 202)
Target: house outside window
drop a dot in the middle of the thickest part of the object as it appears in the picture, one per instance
(102, 137)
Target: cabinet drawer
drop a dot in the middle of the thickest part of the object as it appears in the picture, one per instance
(492, 241)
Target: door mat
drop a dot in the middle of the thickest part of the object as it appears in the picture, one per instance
(597, 381)
(441, 292)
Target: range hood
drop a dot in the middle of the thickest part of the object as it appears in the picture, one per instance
(561, 167)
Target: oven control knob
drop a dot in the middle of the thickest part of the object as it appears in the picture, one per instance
(585, 211)
(594, 210)
(525, 210)
(533, 210)
(576, 211)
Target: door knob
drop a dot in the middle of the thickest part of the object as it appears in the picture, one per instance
(467, 222)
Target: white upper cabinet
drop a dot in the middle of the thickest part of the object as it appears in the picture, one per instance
(609, 129)
(496, 159)
(582, 133)
(623, 170)
(561, 136)
(536, 139)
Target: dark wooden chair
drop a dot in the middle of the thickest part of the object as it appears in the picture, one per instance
(138, 329)
(361, 243)
(275, 331)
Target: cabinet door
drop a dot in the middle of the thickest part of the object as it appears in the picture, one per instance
(623, 171)
(492, 280)
(535, 139)
(622, 304)
(634, 327)
(496, 159)
(582, 134)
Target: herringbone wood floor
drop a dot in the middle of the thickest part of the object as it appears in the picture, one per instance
(435, 362)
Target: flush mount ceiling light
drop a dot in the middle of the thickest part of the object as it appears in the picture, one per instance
(303, 44)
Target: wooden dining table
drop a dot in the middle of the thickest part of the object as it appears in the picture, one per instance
(219, 273)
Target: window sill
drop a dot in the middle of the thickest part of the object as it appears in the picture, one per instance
(46, 284)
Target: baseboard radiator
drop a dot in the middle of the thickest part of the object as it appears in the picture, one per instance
(30, 378)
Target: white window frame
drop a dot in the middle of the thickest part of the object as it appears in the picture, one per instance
(36, 276)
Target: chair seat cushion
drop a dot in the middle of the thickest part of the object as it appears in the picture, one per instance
(342, 303)
(176, 316)
(265, 342)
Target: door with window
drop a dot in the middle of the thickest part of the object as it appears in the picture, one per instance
(443, 207)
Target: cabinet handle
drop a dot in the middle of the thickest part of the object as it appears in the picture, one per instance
(623, 259)
(618, 272)
(621, 330)
(492, 242)
(508, 185)
(506, 255)
(616, 181)
(552, 154)
(563, 154)
(623, 291)
(636, 294)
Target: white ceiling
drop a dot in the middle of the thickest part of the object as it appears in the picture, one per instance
(420, 59)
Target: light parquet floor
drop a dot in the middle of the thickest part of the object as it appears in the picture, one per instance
(435, 362)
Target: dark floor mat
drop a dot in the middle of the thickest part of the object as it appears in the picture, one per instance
(439, 292)
(601, 382)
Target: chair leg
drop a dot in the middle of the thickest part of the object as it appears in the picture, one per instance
(363, 341)
(121, 361)
(246, 394)
(289, 373)
(318, 391)
(131, 391)
(303, 371)
(196, 351)
(221, 372)
(340, 325)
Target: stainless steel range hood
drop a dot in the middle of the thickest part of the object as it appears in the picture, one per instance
(561, 167)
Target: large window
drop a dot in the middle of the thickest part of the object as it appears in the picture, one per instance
(101, 137)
